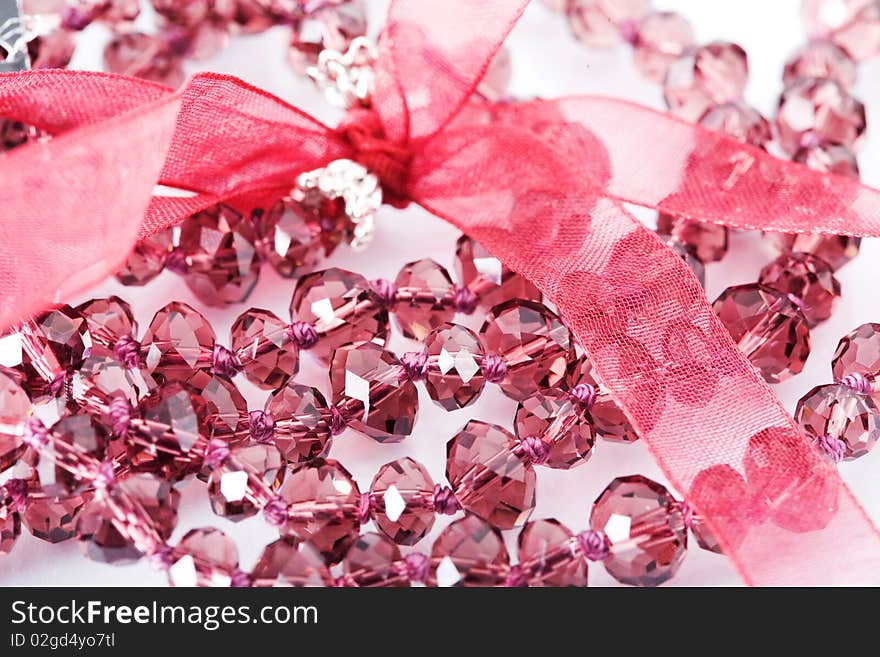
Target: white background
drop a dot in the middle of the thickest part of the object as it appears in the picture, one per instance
(547, 62)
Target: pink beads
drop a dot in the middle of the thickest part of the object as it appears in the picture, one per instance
(707, 76)
(454, 378)
(660, 38)
(423, 299)
(559, 421)
(487, 278)
(837, 412)
(289, 240)
(289, 562)
(10, 524)
(468, 553)
(768, 327)
(806, 278)
(301, 422)
(858, 352)
(145, 56)
(147, 260)
(602, 23)
(645, 530)
(545, 555)
(178, 343)
(818, 112)
(262, 345)
(204, 557)
(401, 501)
(14, 411)
(330, 25)
(821, 59)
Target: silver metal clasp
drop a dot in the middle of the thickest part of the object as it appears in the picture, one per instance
(347, 79)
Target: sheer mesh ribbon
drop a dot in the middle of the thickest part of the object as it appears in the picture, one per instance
(539, 184)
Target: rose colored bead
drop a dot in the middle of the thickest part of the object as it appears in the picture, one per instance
(534, 342)
(222, 264)
(228, 484)
(166, 434)
(302, 429)
(324, 507)
(289, 562)
(454, 378)
(145, 56)
(52, 50)
(806, 278)
(99, 537)
(818, 112)
(262, 345)
(147, 260)
(55, 342)
(738, 120)
(10, 525)
(660, 38)
(554, 417)
(768, 327)
(330, 26)
(490, 479)
(644, 527)
(183, 12)
(603, 23)
(108, 320)
(468, 553)
(490, 281)
(14, 134)
(858, 352)
(88, 436)
(821, 59)
(204, 557)
(15, 409)
(605, 415)
(342, 308)
(840, 412)
(372, 561)
(99, 381)
(378, 401)
(289, 237)
(401, 501)
(54, 519)
(178, 343)
(424, 298)
(836, 250)
(706, 242)
(545, 555)
(707, 76)
(722, 492)
(861, 36)
(831, 159)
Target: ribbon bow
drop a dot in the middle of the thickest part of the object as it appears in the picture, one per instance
(539, 184)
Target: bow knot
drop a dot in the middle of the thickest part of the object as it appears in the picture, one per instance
(363, 131)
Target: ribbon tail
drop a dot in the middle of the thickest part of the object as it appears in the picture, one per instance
(721, 437)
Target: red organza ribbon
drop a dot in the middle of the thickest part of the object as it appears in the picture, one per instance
(539, 184)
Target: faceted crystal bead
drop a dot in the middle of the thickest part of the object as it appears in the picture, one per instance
(14, 134)
(267, 355)
(821, 59)
(99, 538)
(602, 23)
(858, 352)
(228, 485)
(342, 308)
(302, 431)
(178, 343)
(710, 75)
(645, 529)
(818, 112)
(490, 479)
(55, 342)
(424, 298)
(52, 50)
(554, 417)
(831, 159)
(468, 553)
(290, 562)
(330, 26)
(88, 436)
(545, 555)
(289, 237)
(605, 415)
(806, 278)
(146, 56)
(108, 320)
(15, 410)
(487, 278)
(204, 557)
(99, 380)
(836, 250)
(707, 242)
(534, 342)
(401, 499)
(378, 400)
(660, 38)
(146, 260)
(54, 519)
(165, 436)
(221, 407)
(222, 264)
(722, 492)
(373, 561)
(454, 379)
(324, 507)
(10, 525)
(768, 327)
(739, 121)
(840, 412)
(861, 36)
